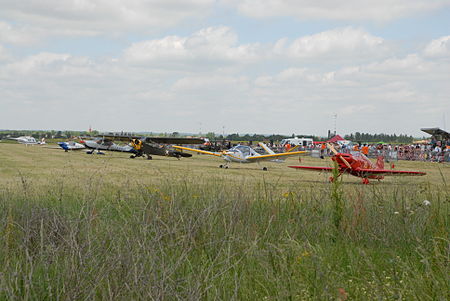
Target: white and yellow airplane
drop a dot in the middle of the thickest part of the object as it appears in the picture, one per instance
(245, 154)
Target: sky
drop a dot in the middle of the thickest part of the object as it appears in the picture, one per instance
(225, 66)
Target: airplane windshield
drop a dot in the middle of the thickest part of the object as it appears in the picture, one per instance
(245, 150)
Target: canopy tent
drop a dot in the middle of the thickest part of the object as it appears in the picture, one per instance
(437, 133)
(335, 139)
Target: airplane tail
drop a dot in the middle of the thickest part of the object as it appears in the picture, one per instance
(380, 162)
(266, 148)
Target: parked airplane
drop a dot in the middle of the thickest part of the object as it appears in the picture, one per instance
(71, 145)
(98, 144)
(28, 140)
(245, 154)
(159, 146)
(359, 165)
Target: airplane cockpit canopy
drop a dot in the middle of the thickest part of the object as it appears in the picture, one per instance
(245, 150)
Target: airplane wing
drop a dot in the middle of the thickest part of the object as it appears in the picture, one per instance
(197, 151)
(173, 140)
(273, 156)
(266, 148)
(389, 172)
(159, 140)
(315, 168)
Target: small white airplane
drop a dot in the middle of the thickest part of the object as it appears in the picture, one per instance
(28, 140)
(71, 145)
(245, 154)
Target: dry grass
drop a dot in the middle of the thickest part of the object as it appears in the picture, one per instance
(76, 226)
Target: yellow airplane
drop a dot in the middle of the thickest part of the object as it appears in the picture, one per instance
(245, 154)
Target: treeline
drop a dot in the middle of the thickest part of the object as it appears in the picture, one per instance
(366, 137)
(45, 134)
(254, 137)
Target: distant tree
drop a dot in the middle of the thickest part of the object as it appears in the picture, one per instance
(211, 136)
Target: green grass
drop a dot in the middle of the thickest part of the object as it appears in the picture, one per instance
(77, 227)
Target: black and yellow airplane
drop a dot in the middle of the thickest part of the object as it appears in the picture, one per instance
(156, 146)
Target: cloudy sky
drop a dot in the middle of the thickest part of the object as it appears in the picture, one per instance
(246, 66)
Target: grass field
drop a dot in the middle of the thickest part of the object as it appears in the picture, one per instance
(76, 227)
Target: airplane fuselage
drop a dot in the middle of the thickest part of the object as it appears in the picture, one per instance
(107, 145)
(239, 154)
(25, 140)
(359, 165)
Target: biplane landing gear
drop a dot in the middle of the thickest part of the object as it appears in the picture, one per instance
(332, 179)
(149, 157)
(264, 168)
(223, 166)
(132, 156)
(365, 181)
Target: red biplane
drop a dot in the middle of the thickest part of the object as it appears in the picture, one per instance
(359, 165)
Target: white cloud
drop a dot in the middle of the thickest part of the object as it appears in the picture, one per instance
(336, 43)
(16, 35)
(438, 48)
(215, 46)
(93, 17)
(356, 109)
(4, 54)
(353, 10)
(209, 45)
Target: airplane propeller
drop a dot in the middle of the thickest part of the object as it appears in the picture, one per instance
(340, 156)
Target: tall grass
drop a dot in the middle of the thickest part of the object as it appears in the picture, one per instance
(208, 239)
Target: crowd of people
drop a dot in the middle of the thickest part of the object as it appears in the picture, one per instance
(434, 151)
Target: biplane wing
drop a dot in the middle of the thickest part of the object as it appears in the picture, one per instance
(197, 151)
(158, 140)
(273, 156)
(315, 168)
(388, 172)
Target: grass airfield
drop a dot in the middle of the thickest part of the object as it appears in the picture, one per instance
(46, 163)
(78, 226)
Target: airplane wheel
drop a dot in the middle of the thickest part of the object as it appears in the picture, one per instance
(220, 166)
(149, 158)
(331, 179)
(365, 181)
(226, 167)
(264, 168)
(132, 157)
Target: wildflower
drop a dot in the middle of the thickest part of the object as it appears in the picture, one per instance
(306, 254)
(342, 294)
(426, 203)
(300, 257)
(396, 212)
